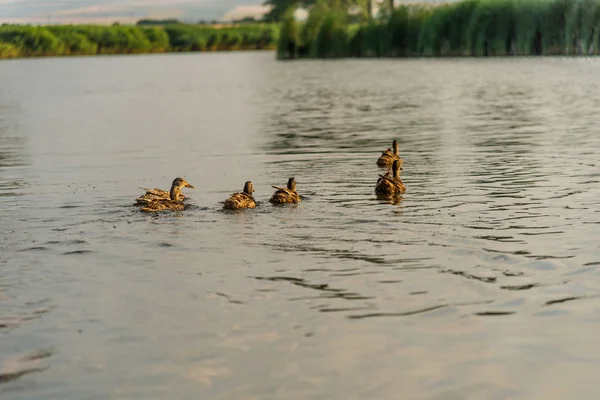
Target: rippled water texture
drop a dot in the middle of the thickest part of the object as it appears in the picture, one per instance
(482, 282)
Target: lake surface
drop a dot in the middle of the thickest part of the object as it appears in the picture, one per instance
(482, 282)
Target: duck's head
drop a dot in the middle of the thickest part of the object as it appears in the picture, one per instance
(176, 186)
(396, 168)
(181, 183)
(291, 185)
(395, 145)
(248, 188)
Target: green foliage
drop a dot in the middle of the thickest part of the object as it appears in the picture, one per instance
(313, 24)
(119, 39)
(370, 40)
(404, 29)
(31, 41)
(462, 28)
(331, 39)
(122, 39)
(157, 38)
(492, 27)
(8, 50)
(206, 38)
(289, 37)
(582, 23)
(73, 42)
(446, 30)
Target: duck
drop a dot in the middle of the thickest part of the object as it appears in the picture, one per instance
(242, 199)
(389, 156)
(391, 185)
(174, 202)
(286, 195)
(159, 194)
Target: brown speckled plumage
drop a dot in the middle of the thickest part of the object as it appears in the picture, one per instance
(151, 195)
(163, 204)
(242, 199)
(390, 185)
(388, 157)
(286, 195)
(159, 194)
(174, 202)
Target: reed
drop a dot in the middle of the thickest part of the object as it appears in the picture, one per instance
(31, 41)
(206, 38)
(331, 39)
(463, 28)
(289, 37)
(8, 51)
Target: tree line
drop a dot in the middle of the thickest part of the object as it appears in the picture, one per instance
(30, 41)
(462, 28)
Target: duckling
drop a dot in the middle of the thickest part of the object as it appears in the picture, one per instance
(159, 194)
(393, 185)
(286, 195)
(387, 157)
(173, 203)
(241, 200)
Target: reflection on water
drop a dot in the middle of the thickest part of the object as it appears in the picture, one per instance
(478, 282)
(13, 154)
(11, 150)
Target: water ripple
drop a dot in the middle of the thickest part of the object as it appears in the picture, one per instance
(497, 229)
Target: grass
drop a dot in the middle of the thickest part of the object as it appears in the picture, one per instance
(59, 40)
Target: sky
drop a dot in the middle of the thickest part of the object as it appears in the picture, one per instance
(130, 11)
(124, 11)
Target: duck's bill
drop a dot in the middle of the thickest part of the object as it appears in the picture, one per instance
(190, 186)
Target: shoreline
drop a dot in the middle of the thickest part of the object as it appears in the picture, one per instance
(138, 53)
(273, 49)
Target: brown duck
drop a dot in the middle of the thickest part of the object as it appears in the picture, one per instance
(286, 195)
(391, 185)
(174, 202)
(388, 157)
(159, 194)
(241, 200)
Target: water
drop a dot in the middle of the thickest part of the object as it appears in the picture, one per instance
(482, 282)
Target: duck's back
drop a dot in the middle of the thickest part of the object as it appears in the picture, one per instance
(386, 185)
(163, 204)
(284, 196)
(239, 200)
(152, 195)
